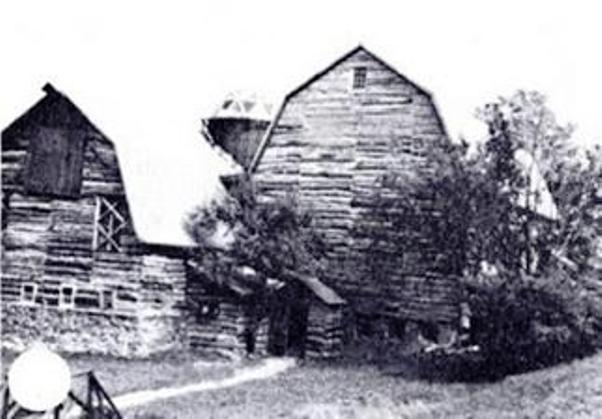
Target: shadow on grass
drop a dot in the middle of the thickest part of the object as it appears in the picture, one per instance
(398, 359)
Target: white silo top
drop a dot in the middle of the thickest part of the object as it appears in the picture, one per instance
(244, 105)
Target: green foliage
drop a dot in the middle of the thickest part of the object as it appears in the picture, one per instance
(525, 322)
(572, 175)
(268, 237)
(580, 226)
(523, 319)
(417, 213)
(487, 183)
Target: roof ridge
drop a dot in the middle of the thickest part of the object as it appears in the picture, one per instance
(321, 73)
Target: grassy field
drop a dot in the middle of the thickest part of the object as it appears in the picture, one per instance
(320, 391)
(571, 390)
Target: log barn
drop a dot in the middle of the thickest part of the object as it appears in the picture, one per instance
(332, 143)
(76, 275)
(74, 272)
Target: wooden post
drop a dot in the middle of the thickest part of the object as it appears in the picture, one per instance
(5, 403)
(100, 407)
(57, 411)
(90, 401)
(96, 220)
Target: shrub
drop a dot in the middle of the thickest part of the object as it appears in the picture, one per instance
(523, 322)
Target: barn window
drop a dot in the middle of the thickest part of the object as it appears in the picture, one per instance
(67, 297)
(28, 293)
(359, 77)
(111, 224)
(107, 299)
(55, 162)
(87, 299)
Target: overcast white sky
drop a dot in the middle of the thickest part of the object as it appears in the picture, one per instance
(146, 72)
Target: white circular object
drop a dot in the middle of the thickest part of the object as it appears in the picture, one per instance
(39, 379)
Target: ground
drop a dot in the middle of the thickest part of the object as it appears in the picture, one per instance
(322, 391)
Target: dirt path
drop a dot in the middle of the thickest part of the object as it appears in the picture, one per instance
(266, 369)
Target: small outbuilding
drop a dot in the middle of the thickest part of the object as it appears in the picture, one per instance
(306, 318)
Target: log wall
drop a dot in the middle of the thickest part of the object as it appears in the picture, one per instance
(324, 338)
(329, 146)
(225, 335)
(134, 295)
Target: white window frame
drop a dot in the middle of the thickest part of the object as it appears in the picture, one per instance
(62, 303)
(34, 293)
(360, 73)
(104, 236)
(103, 299)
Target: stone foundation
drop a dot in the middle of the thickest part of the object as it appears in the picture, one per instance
(95, 332)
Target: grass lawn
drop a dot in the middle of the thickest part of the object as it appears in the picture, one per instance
(321, 391)
(570, 390)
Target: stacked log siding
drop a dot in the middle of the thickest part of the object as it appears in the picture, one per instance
(56, 285)
(329, 147)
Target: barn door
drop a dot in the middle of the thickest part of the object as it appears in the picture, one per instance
(278, 326)
(297, 329)
(288, 322)
(55, 162)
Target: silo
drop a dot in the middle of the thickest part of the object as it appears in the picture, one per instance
(238, 125)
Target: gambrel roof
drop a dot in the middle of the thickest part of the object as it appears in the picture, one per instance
(55, 109)
(321, 74)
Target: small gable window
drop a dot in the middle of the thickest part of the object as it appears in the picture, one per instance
(111, 224)
(359, 77)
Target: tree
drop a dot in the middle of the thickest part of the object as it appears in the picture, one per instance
(524, 321)
(573, 176)
(271, 238)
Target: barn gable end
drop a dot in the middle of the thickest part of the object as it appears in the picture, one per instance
(72, 264)
(333, 140)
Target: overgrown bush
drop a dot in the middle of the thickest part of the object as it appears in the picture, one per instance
(523, 322)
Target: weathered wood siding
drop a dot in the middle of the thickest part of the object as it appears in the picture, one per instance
(55, 162)
(330, 145)
(48, 241)
(324, 331)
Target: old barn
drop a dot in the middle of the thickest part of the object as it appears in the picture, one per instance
(76, 275)
(74, 272)
(331, 144)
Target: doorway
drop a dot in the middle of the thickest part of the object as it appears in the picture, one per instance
(288, 322)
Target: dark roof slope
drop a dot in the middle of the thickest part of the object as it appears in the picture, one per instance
(54, 110)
